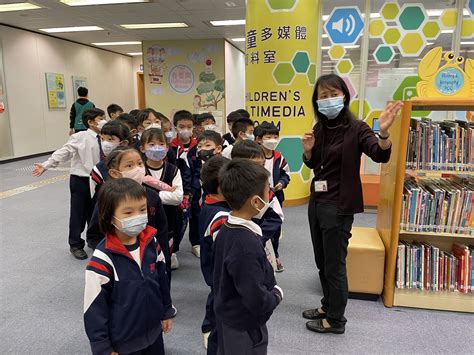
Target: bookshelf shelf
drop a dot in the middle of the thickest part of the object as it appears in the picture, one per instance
(392, 180)
(448, 301)
(437, 234)
(438, 173)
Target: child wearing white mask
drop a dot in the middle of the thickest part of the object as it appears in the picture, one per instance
(127, 267)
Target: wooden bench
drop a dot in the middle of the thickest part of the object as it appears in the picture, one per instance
(365, 264)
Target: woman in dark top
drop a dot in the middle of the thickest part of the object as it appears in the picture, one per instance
(333, 150)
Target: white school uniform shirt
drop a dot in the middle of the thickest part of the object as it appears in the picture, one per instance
(82, 149)
(167, 197)
(227, 152)
(269, 167)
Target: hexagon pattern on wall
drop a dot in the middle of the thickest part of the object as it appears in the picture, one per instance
(449, 18)
(383, 54)
(407, 90)
(412, 16)
(284, 73)
(392, 35)
(300, 62)
(281, 5)
(354, 108)
(376, 28)
(390, 10)
(336, 52)
(411, 45)
(344, 66)
(431, 30)
(467, 28)
(292, 149)
(311, 74)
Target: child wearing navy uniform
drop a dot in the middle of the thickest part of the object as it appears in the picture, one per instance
(185, 147)
(245, 290)
(267, 135)
(127, 301)
(214, 213)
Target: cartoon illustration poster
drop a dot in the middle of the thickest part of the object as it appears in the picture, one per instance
(56, 91)
(185, 75)
(77, 82)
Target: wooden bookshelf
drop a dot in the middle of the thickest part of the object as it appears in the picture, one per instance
(438, 173)
(388, 217)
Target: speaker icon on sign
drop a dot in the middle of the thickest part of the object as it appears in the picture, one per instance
(350, 25)
(344, 25)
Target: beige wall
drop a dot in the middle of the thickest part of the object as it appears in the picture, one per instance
(27, 56)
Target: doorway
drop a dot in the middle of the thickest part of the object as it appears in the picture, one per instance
(141, 90)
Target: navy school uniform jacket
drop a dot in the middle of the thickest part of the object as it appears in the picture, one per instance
(228, 140)
(271, 221)
(190, 166)
(124, 303)
(279, 172)
(156, 219)
(245, 290)
(213, 215)
(99, 175)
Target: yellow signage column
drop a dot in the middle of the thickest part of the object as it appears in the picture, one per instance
(281, 42)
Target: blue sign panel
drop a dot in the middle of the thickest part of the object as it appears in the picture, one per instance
(344, 25)
(449, 81)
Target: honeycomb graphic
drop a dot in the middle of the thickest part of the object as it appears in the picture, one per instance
(285, 72)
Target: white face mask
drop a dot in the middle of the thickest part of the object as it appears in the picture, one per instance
(249, 137)
(169, 136)
(261, 211)
(133, 226)
(270, 144)
(185, 133)
(211, 127)
(101, 124)
(136, 174)
(107, 147)
(153, 125)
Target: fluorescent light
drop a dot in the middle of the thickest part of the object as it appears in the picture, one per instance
(242, 39)
(467, 43)
(447, 31)
(138, 26)
(325, 47)
(374, 15)
(135, 53)
(72, 29)
(324, 36)
(429, 43)
(438, 12)
(18, 6)
(116, 43)
(352, 47)
(228, 23)
(97, 2)
(325, 17)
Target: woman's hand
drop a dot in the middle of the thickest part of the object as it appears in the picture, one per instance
(166, 325)
(387, 117)
(308, 144)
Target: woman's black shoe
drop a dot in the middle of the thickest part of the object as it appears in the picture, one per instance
(313, 314)
(317, 326)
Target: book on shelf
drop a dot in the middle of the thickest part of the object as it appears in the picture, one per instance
(438, 205)
(440, 145)
(422, 266)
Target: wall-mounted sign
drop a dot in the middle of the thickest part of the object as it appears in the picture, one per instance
(77, 82)
(445, 76)
(55, 90)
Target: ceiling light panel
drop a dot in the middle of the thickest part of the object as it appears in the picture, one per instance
(135, 53)
(126, 43)
(71, 29)
(98, 2)
(18, 6)
(228, 23)
(140, 26)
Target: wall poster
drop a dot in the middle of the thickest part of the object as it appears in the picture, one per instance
(55, 90)
(77, 82)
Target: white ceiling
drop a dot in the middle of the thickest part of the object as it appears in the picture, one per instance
(195, 13)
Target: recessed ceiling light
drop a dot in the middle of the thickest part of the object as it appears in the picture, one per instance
(135, 53)
(242, 39)
(126, 43)
(72, 29)
(98, 2)
(18, 6)
(467, 43)
(228, 23)
(447, 31)
(438, 12)
(138, 26)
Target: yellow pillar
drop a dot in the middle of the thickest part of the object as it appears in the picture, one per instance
(281, 43)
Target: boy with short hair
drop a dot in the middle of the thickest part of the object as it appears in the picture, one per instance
(83, 150)
(242, 129)
(245, 290)
(185, 147)
(214, 213)
(231, 118)
(270, 220)
(209, 145)
(267, 135)
(206, 122)
(78, 108)
(114, 110)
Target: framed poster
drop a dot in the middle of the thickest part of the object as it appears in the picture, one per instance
(77, 82)
(56, 91)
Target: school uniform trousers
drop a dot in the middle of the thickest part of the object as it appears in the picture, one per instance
(83, 151)
(234, 341)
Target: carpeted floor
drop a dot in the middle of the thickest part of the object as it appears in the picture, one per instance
(41, 289)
